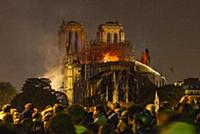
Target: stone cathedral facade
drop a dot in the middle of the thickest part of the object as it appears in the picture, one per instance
(83, 60)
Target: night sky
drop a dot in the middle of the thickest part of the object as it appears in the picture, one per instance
(29, 33)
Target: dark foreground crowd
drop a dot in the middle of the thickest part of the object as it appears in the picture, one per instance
(101, 119)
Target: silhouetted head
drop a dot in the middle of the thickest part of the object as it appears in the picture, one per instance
(99, 109)
(6, 108)
(61, 124)
(76, 112)
(29, 106)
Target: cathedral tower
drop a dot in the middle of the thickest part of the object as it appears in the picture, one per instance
(111, 33)
(72, 39)
(71, 45)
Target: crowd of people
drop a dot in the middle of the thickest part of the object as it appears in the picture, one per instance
(101, 119)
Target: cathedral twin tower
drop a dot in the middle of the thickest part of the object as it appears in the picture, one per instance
(72, 38)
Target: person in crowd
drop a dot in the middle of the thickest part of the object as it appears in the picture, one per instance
(178, 124)
(124, 126)
(78, 114)
(116, 119)
(100, 118)
(16, 115)
(57, 108)
(27, 113)
(180, 121)
(5, 110)
(38, 126)
(88, 119)
(61, 124)
(47, 114)
(107, 128)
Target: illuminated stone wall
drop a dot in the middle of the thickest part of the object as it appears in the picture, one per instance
(71, 46)
(72, 40)
(111, 33)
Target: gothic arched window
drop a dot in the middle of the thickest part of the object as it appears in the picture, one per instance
(120, 39)
(108, 38)
(115, 38)
(69, 38)
(76, 41)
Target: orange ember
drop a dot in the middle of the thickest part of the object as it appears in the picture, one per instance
(110, 57)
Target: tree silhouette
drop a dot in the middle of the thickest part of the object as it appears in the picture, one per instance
(38, 91)
(171, 93)
(7, 93)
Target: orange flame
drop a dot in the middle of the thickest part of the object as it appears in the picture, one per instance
(110, 57)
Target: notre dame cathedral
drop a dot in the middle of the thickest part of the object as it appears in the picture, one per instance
(104, 68)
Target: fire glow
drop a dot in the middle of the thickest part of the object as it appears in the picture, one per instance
(110, 57)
